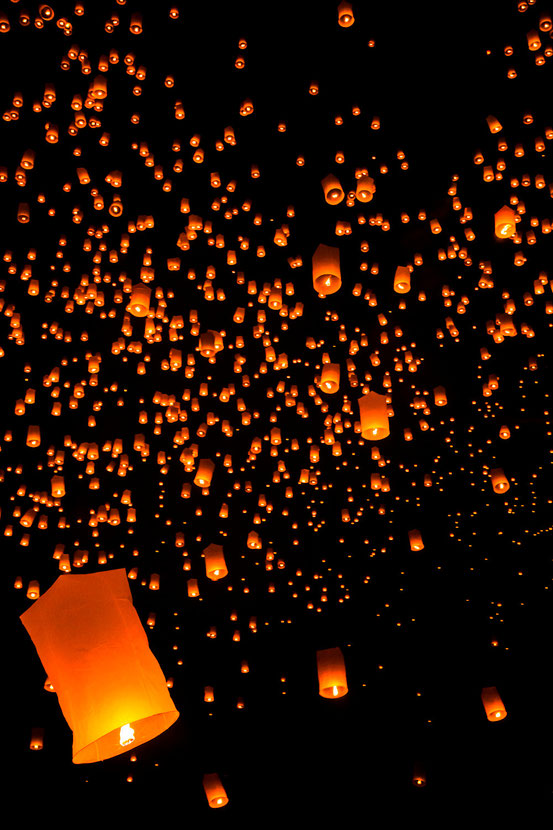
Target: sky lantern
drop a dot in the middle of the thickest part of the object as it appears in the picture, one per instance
(204, 473)
(327, 277)
(215, 792)
(333, 190)
(415, 540)
(140, 300)
(402, 280)
(215, 565)
(331, 671)
(345, 15)
(373, 412)
(500, 483)
(93, 647)
(495, 710)
(330, 378)
(505, 222)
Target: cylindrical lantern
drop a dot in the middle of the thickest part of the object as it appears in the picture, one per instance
(327, 278)
(333, 191)
(345, 15)
(374, 416)
(493, 704)
(500, 483)
(505, 222)
(440, 397)
(402, 280)
(330, 377)
(364, 189)
(140, 300)
(215, 565)
(415, 540)
(204, 473)
(93, 647)
(214, 790)
(332, 673)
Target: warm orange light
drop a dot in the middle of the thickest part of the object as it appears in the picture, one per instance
(374, 416)
(495, 710)
(327, 277)
(331, 670)
(95, 651)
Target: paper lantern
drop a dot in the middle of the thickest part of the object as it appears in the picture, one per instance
(415, 540)
(215, 565)
(500, 483)
(327, 278)
(205, 472)
(374, 416)
(345, 15)
(505, 222)
(93, 647)
(333, 190)
(440, 397)
(330, 378)
(332, 673)
(140, 300)
(493, 704)
(214, 790)
(402, 280)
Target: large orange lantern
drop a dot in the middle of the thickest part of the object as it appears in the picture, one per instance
(495, 710)
(215, 565)
(402, 280)
(345, 15)
(93, 647)
(332, 673)
(330, 378)
(505, 222)
(327, 277)
(140, 300)
(333, 190)
(374, 416)
(500, 482)
(205, 472)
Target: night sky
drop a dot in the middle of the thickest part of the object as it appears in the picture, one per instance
(403, 96)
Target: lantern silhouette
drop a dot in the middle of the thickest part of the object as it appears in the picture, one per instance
(331, 670)
(327, 278)
(214, 790)
(495, 710)
(215, 565)
(374, 416)
(93, 647)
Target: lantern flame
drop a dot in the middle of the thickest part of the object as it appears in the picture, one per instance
(126, 734)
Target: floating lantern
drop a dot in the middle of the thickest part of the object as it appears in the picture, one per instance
(493, 704)
(332, 673)
(327, 277)
(93, 647)
(374, 416)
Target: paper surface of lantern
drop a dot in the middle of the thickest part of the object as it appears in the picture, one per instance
(495, 710)
(330, 378)
(215, 565)
(140, 300)
(331, 670)
(94, 649)
(500, 483)
(402, 280)
(505, 222)
(374, 416)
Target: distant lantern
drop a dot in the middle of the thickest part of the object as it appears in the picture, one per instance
(333, 190)
(215, 565)
(415, 540)
(214, 790)
(330, 378)
(402, 280)
(505, 222)
(500, 482)
(93, 647)
(345, 15)
(205, 472)
(332, 673)
(327, 277)
(140, 300)
(374, 416)
(495, 710)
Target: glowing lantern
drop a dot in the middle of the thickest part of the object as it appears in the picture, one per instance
(215, 565)
(204, 473)
(374, 416)
(332, 673)
(214, 790)
(93, 647)
(415, 540)
(327, 278)
(140, 300)
(33, 436)
(192, 588)
(58, 486)
(505, 222)
(440, 397)
(364, 189)
(500, 483)
(495, 710)
(333, 191)
(345, 15)
(211, 342)
(402, 280)
(330, 378)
